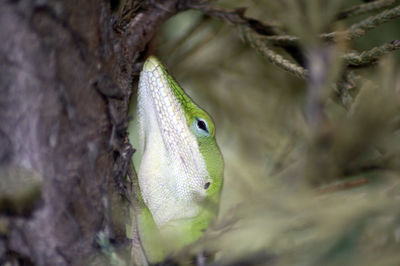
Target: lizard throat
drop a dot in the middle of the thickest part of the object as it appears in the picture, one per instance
(173, 171)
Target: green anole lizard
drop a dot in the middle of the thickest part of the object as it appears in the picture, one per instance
(180, 175)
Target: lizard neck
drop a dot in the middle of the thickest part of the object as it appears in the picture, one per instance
(172, 172)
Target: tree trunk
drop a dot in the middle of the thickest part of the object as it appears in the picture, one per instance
(65, 84)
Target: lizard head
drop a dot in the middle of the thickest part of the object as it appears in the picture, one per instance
(182, 165)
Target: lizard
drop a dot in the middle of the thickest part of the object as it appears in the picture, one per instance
(180, 176)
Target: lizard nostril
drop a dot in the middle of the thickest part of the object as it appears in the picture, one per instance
(207, 185)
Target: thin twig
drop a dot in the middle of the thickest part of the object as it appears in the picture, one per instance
(258, 34)
(370, 56)
(236, 17)
(355, 31)
(364, 8)
(347, 184)
(257, 43)
(361, 28)
(280, 40)
(374, 21)
(267, 28)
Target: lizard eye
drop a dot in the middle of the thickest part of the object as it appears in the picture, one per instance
(201, 127)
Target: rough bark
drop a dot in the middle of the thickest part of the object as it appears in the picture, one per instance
(65, 82)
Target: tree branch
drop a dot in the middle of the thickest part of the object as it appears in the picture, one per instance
(359, 29)
(370, 56)
(257, 43)
(364, 8)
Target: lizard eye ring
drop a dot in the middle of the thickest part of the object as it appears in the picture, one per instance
(201, 127)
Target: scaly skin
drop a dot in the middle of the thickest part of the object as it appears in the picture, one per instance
(181, 170)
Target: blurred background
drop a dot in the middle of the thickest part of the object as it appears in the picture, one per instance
(298, 190)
